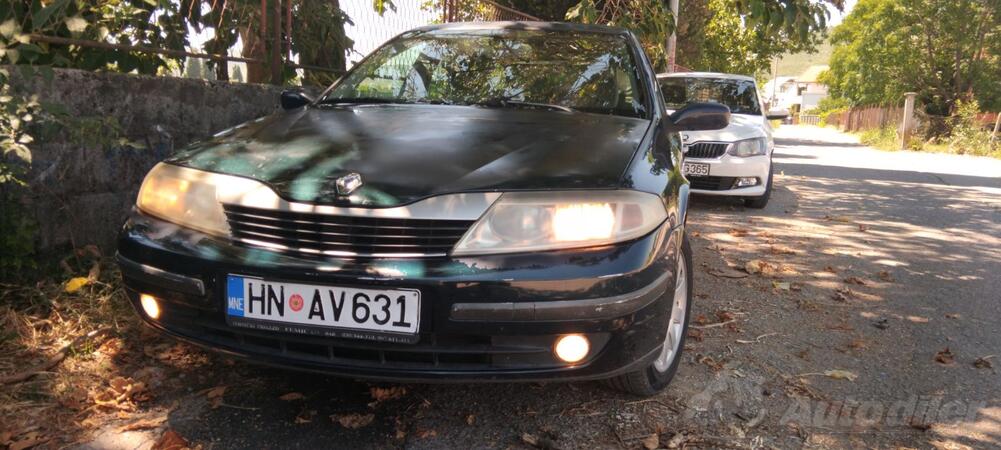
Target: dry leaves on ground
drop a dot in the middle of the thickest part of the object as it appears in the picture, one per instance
(353, 421)
(885, 276)
(144, 424)
(727, 272)
(25, 441)
(171, 440)
(984, 362)
(291, 396)
(214, 396)
(945, 356)
(838, 374)
(121, 394)
(651, 442)
(380, 394)
(536, 441)
(737, 232)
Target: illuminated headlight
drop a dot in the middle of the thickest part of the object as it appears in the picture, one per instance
(190, 197)
(537, 221)
(749, 147)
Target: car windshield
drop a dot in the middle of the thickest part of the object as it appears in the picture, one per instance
(739, 95)
(559, 70)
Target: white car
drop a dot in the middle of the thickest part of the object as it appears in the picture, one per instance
(737, 160)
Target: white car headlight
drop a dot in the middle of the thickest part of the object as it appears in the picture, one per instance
(537, 221)
(190, 197)
(749, 147)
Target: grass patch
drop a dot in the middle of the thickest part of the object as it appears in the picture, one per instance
(887, 139)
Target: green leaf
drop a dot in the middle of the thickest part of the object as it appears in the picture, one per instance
(42, 16)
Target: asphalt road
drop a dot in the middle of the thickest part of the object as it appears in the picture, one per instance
(875, 263)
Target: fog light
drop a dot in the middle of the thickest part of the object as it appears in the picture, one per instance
(747, 181)
(150, 305)
(572, 348)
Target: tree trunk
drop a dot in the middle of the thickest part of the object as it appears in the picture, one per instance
(253, 47)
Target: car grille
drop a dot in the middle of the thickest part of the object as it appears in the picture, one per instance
(320, 235)
(706, 149)
(710, 183)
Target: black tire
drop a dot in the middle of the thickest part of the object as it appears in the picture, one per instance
(761, 201)
(648, 380)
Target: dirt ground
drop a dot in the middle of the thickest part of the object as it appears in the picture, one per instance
(858, 310)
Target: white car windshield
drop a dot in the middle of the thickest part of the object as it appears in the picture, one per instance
(739, 95)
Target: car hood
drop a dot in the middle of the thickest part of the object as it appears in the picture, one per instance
(741, 126)
(407, 152)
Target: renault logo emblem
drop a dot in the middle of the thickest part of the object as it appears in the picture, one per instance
(348, 183)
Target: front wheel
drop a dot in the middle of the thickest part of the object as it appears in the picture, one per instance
(762, 200)
(658, 374)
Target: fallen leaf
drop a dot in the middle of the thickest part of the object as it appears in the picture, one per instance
(863, 227)
(724, 315)
(728, 273)
(701, 319)
(29, 440)
(425, 434)
(291, 396)
(754, 266)
(214, 396)
(945, 356)
(856, 280)
(170, 440)
(984, 363)
(885, 276)
(830, 269)
(305, 416)
(354, 420)
(651, 442)
(781, 285)
(471, 420)
(695, 334)
(74, 284)
(390, 393)
(838, 374)
(781, 250)
(144, 424)
(737, 232)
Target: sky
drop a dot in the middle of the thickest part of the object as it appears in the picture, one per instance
(838, 16)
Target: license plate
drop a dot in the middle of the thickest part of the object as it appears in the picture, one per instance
(696, 169)
(378, 314)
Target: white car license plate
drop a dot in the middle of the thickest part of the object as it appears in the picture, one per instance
(378, 314)
(696, 169)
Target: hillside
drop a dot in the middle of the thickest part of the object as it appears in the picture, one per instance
(794, 64)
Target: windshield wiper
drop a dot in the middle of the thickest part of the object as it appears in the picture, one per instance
(508, 103)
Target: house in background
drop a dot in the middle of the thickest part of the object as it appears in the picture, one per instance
(796, 94)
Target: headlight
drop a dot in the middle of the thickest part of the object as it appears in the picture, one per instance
(537, 221)
(190, 197)
(749, 147)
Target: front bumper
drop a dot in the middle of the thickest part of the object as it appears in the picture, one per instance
(724, 171)
(483, 318)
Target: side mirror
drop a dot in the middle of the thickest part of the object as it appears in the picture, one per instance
(700, 117)
(777, 114)
(294, 98)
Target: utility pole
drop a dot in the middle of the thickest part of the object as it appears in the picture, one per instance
(672, 40)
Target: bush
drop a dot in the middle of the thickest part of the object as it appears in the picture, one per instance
(968, 135)
(828, 106)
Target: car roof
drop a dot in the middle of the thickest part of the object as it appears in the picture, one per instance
(522, 25)
(726, 76)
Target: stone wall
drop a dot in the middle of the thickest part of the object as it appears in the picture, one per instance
(81, 193)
